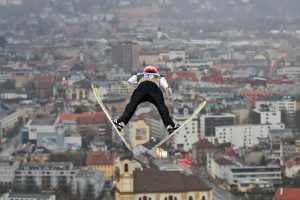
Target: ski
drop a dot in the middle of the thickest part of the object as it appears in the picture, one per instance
(196, 112)
(99, 100)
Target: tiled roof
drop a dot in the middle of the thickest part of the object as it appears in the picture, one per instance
(153, 180)
(291, 162)
(287, 194)
(99, 158)
(75, 116)
(204, 144)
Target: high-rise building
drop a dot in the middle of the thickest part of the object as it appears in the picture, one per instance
(188, 135)
(209, 121)
(286, 104)
(126, 55)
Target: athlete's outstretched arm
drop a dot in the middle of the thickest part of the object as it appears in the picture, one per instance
(165, 85)
(132, 79)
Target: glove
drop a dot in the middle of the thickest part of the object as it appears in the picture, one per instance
(169, 91)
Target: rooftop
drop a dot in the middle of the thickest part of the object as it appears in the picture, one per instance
(204, 144)
(89, 173)
(287, 194)
(99, 158)
(150, 180)
(43, 120)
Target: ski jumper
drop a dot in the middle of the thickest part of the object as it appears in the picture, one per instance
(147, 91)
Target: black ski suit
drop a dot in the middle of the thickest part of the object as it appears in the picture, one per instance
(147, 91)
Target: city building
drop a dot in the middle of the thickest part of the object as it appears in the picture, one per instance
(59, 141)
(288, 148)
(292, 167)
(286, 104)
(126, 55)
(291, 72)
(244, 135)
(219, 167)
(45, 86)
(8, 166)
(41, 124)
(102, 161)
(88, 183)
(187, 136)
(271, 173)
(200, 150)
(80, 90)
(208, 123)
(139, 132)
(157, 128)
(47, 176)
(264, 115)
(8, 117)
(150, 183)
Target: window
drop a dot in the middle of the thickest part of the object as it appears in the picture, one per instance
(126, 167)
(190, 198)
(203, 198)
(144, 198)
(170, 197)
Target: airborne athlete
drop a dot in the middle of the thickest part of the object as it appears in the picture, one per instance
(148, 91)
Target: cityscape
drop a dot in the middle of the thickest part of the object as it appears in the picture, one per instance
(240, 56)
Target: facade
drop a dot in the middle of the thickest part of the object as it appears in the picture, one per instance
(139, 132)
(270, 173)
(292, 167)
(147, 183)
(88, 183)
(266, 116)
(188, 135)
(46, 175)
(288, 148)
(291, 72)
(102, 161)
(157, 128)
(126, 55)
(148, 59)
(219, 168)
(8, 117)
(244, 135)
(80, 90)
(286, 104)
(52, 141)
(210, 121)
(8, 166)
(200, 150)
(45, 86)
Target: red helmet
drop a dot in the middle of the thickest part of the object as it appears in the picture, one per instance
(150, 69)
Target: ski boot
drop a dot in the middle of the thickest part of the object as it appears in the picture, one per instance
(119, 125)
(171, 129)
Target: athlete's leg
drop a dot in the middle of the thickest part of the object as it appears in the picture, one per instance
(135, 100)
(157, 98)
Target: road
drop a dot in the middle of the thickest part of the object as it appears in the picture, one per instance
(220, 194)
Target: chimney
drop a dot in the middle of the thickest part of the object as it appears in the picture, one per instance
(281, 191)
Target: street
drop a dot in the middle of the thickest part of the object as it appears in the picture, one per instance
(220, 194)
